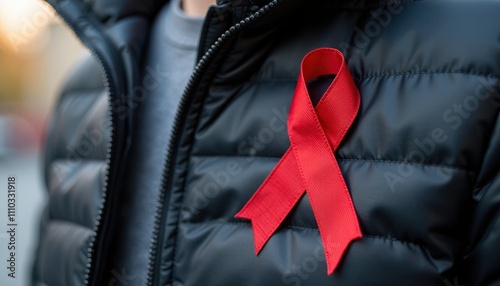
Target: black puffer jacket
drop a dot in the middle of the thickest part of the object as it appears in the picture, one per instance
(421, 161)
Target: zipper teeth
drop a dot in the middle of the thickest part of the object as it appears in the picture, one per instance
(109, 147)
(198, 70)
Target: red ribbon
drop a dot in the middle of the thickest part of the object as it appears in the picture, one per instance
(309, 165)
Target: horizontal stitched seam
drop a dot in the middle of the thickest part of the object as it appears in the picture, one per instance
(351, 159)
(62, 160)
(236, 156)
(408, 163)
(403, 74)
(391, 74)
(80, 90)
(370, 7)
(225, 222)
(391, 239)
(236, 222)
(54, 221)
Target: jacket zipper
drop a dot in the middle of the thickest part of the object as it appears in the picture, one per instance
(110, 147)
(180, 115)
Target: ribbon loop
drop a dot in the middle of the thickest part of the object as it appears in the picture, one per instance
(309, 165)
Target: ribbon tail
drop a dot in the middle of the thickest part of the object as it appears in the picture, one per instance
(336, 217)
(272, 202)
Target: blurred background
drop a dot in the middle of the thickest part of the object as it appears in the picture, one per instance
(37, 51)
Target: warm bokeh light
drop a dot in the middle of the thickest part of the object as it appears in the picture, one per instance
(23, 25)
(32, 66)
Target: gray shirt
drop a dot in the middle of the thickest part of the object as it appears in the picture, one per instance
(169, 62)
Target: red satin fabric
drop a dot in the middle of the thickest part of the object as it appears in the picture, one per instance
(309, 165)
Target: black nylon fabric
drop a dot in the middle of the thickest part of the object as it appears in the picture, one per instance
(75, 164)
(420, 161)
